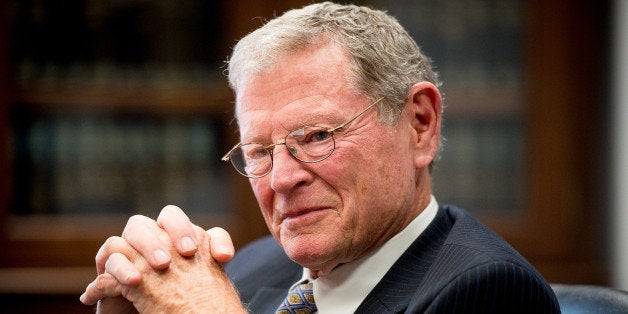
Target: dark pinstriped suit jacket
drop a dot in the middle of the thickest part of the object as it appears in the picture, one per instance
(457, 265)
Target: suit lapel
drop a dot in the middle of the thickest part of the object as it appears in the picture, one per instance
(267, 299)
(393, 293)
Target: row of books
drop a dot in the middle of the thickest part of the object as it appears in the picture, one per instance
(482, 164)
(87, 163)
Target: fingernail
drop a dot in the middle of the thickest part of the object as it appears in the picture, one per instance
(130, 276)
(82, 297)
(187, 244)
(161, 257)
(225, 249)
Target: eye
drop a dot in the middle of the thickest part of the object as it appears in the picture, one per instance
(319, 136)
(311, 135)
(310, 144)
(254, 152)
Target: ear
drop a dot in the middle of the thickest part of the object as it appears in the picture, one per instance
(425, 107)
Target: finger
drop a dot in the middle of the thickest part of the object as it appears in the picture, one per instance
(179, 228)
(123, 270)
(103, 286)
(113, 245)
(144, 235)
(221, 246)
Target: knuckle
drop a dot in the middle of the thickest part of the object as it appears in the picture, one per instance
(135, 225)
(111, 264)
(111, 241)
(108, 246)
(135, 219)
(102, 283)
(171, 208)
(218, 230)
(168, 212)
(198, 229)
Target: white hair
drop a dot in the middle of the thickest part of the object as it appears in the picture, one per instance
(385, 60)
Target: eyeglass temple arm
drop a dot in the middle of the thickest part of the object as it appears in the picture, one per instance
(340, 127)
(227, 156)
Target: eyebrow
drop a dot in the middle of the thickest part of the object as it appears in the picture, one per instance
(318, 118)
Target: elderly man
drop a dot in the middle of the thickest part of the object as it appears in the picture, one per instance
(339, 115)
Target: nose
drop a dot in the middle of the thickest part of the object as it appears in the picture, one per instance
(287, 171)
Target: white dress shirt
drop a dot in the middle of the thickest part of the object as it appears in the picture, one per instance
(344, 289)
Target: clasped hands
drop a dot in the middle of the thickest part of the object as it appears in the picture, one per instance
(164, 265)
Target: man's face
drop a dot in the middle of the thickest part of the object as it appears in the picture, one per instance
(334, 211)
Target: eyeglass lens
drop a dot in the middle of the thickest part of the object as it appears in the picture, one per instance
(308, 144)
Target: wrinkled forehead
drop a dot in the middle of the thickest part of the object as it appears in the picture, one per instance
(259, 121)
(305, 87)
(308, 93)
(248, 124)
(315, 68)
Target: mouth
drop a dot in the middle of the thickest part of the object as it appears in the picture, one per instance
(300, 212)
(302, 217)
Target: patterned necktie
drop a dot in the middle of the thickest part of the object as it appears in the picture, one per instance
(300, 300)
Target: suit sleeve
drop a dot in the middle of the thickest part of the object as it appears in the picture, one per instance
(495, 287)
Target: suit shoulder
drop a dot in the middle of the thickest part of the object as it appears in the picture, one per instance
(261, 255)
(475, 264)
(495, 286)
(262, 263)
(470, 235)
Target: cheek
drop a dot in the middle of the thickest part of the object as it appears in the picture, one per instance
(264, 196)
(386, 174)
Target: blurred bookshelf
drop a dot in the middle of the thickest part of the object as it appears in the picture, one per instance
(114, 108)
(117, 106)
(102, 160)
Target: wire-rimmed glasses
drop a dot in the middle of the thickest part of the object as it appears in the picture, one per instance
(309, 144)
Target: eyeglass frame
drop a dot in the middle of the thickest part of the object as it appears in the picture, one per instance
(269, 148)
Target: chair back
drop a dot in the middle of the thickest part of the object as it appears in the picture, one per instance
(580, 299)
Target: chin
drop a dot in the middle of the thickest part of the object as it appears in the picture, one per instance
(308, 251)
